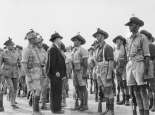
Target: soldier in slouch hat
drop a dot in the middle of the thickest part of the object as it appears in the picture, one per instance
(138, 64)
(79, 60)
(105, 59)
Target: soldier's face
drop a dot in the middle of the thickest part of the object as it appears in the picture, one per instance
(39, 45)
(58, 41)
(76, 42)
(134, 28)
(99, 37)
(118, 42)
(10, 47)
(33, 41)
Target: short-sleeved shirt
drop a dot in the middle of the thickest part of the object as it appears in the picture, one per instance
(104, 53)
(138, 47)
(78, 54)
(8, 61)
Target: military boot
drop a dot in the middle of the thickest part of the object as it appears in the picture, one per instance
(107, 107)
(36, 110)
(153, 106)
(76, 105)
(146, 112)
(134, 106)
(127, 103)
(30, 100)
(117, 98)
(43, 106)
(122, 101)
(151, 103)
(1, 102)
(141, 111)
(111, 107)
(85, 103)
(63, 102)
(100, 106)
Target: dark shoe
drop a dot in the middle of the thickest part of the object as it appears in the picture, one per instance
(121, 102)
(153, 106)
(111, 107)
(43, 106)
(107, 107)
(37, 113)
(59, 112)
(36, 108)
(96, 98)
(146, 112)
(30, 101)
(100, 106)
(141, 112)
(84, 108)
(134, 112)
(127, 103)
(76, 106)
(15, 107)
(1, 109)
(118, 99)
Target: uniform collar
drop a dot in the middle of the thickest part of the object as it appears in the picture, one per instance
(133, 36)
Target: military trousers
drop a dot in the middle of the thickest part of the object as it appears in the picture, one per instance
(12, 84)
(55, 93)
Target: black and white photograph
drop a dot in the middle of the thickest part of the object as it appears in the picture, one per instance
(77, 57)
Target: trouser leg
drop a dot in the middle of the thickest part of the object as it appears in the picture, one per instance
(137, 93)
(43, 98)
(15, 85)
(145, 99)
(1, 102)
(96, 90)
(107, 106)
(77, 91)
(56, 95)
(118, 93)
(153, 107)
(35, 105)
(83, 98)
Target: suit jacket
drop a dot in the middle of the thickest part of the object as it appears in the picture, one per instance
(55, 63)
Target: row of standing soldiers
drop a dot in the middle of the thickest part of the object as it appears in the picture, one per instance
(24, 69)
(131, 62)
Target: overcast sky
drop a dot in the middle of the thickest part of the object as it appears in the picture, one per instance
(68, 17)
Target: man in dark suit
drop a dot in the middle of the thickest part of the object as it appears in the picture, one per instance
(56, 70)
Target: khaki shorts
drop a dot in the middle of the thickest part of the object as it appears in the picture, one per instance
(135, 73)
(78, 78)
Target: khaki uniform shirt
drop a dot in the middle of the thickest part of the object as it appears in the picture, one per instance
(77, 55)
(8, 62)
(137, 47)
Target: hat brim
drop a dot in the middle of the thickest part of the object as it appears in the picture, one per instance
(104, 34)
(9, 44)
(130, 23)
(52, 39)
(77, 38)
